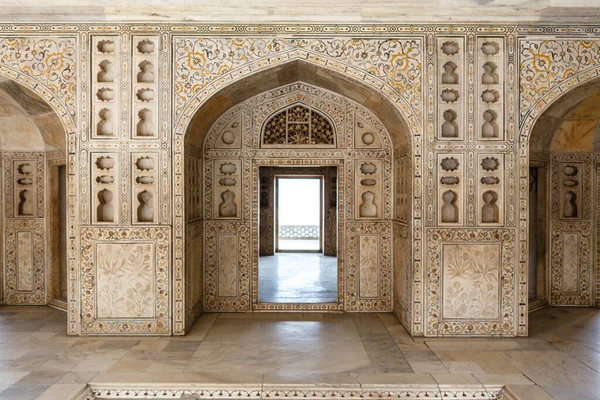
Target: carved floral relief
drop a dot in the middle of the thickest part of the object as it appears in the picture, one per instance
(471, 281)
(125, 280)
(24, 262)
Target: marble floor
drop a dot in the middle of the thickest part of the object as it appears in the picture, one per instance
(561, 358)
(297, 278)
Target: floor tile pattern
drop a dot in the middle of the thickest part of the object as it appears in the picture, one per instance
(38, 360)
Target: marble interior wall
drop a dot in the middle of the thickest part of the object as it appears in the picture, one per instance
(469, 96)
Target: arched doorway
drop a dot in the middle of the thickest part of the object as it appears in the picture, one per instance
(563, 205)
(34, 181)
(386, 233)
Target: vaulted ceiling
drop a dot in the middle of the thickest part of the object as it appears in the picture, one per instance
(27, 123)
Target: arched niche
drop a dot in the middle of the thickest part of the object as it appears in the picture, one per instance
(204, 144)
(563, 160)
(34, 178)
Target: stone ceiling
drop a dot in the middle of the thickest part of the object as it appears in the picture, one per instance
(27, 123)
(347, 11)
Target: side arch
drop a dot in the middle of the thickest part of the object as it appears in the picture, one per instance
(54, 114)
(538, 123)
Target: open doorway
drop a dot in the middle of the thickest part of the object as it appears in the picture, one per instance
(299, 213)
(298, 262)
(538, 263)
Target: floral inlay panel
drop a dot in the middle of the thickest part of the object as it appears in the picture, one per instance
(547, 63)
(200, 62)
(24, 262)
(49, 60)
(125, 280)
(571, 263)
(357, 274)
(466, 271)
(227, 289)
(470, 281)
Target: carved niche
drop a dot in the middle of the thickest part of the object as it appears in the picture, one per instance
(227, 193)
(105, 87)
(105, 203)
(450, 189)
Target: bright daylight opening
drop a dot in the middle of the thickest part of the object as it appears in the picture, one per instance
(298, 271)
(299, 214)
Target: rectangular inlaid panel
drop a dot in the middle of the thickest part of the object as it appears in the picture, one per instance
(570, 262)
(368, 265)
(125, 280)
(25, 261)
(471, 281)
(227, 253)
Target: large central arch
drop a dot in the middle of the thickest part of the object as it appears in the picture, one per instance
(373, 99)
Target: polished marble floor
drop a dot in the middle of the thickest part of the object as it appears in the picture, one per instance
(562, 355)
(297, 278)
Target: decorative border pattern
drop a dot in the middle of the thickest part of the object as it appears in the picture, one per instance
(161, 324)
(199, 62)
(547, 63)
(354, 302)
(583, 297)
(49, 60)
(212, 302)
(11, 294)
(503, 326)
(433, 392)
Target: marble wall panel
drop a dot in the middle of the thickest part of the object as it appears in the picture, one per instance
(194, 271)
(125, 285)
(25, 267)
(369, 285)
(402, 273)
(227, 268)
(126, 281)
(571, 278)
(24, 261)
(227, 265)
(470, 282)
(368, 261)
(571, 263)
